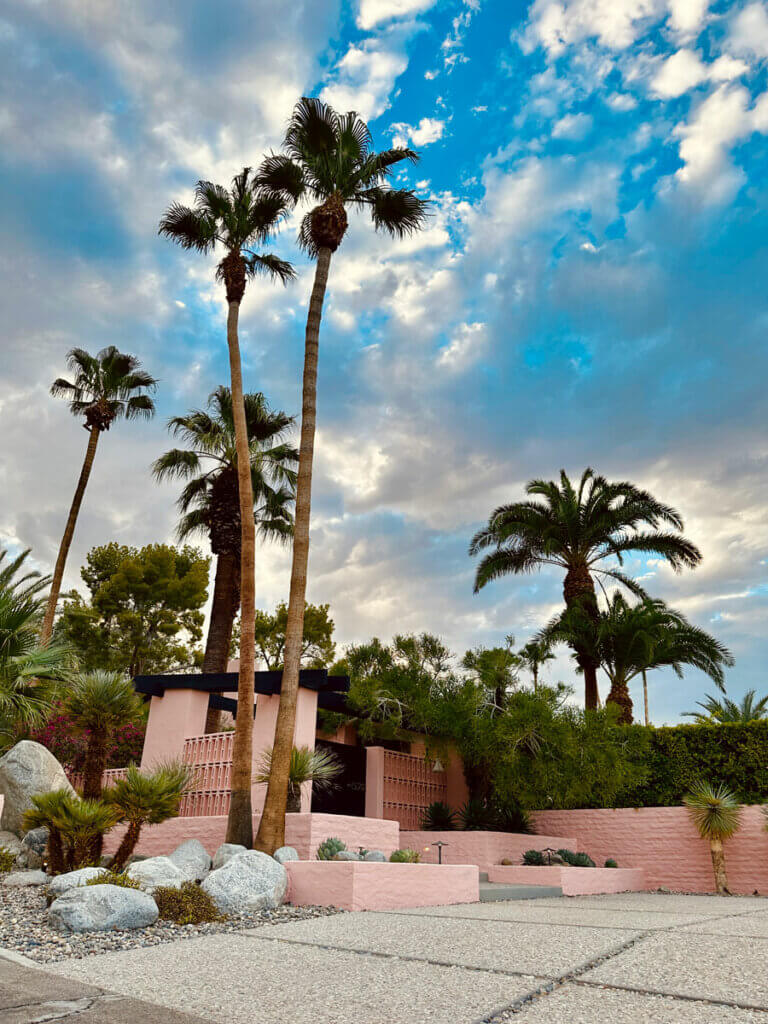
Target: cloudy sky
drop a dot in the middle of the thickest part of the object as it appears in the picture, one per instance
(591, 289)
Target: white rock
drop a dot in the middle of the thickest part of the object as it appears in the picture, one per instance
(346, 855)
(10, 841)
(376, 856)
(191, 858)
(156, 871)
(226, 852)
(102, 908)
(26, 770)
(250, 881)
(72, 879)
(20, 879)
(284, 854)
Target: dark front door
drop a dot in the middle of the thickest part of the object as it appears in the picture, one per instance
(348, 793)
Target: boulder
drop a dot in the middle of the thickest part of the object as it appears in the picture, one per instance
(284, 854)
(102, 908)
(226, 852)
(26, 770)
(155, 871)
(376, 856)
(72, 879)
(191, 858)
(21, 879)
(346, 855)
(10, 841)
(250, 881)
(33, 848)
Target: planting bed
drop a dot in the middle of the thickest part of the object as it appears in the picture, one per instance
(485, 849)
(357, 885)
(573, 881)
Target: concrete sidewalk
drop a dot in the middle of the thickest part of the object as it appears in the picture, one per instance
(626, 959)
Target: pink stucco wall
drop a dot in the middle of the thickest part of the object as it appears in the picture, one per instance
(664, 842)
(485, 849)
(573, 881)
(361, 886)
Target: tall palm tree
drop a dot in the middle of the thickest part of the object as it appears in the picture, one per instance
(719, 712)
(716, 813)
(533, 656)
(106, 387)
(210, 502)
(579, 529)
(239, 219)
(328, 160)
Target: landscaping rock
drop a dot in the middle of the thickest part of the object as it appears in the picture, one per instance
(33, 846)
(376, 856)
(284, 854)
(192, 859)
(72, 879)
(225, 853)
(156, 871)
(10, 841)
(20, 879)
(250, 881)
(346, 855)
(26, 770)
(102, 908)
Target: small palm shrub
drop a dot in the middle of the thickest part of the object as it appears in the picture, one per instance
(76, 828)
(328, 849)
(576, 860)
(7, 860)
(439, 817)
(188, 904)
(320, 767)
(405, 857)
(716, 813)
(611, 863)
(118, 878)
(534, 858)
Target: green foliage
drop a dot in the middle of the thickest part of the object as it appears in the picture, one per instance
(106, 387)
(101, 701)
(534, 858)
(118, 878)
(144, 612)
(317, 646)
(610, 863)
(476, 815)
(576, 860)
(495, 669)
(7, 860)
(439, 817)
(189, 904)
(715, 810)
(328, 849)
(320, 767)
(76, 828)
(718, 712)
(405, 857)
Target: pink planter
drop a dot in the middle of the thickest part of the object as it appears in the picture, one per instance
(358, 885)
(486, 849)
(573, 881)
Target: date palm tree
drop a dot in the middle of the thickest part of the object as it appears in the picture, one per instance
(240, 220)
(209, 503)
(580, 529)
(106, 387)
(720, 712)
(716, 814)
(328, 159)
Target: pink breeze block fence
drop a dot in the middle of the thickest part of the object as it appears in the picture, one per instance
(486, 849)
(664, 843)
(573, 881)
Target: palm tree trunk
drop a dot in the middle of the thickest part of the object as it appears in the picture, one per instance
(226, 596)
(66, 540)
(127, 846)
(95, 764)
(619, 695)
(271, 834)
(535, 677)
(645, 698)
(578, 588)
(240, 819)
(718, 863)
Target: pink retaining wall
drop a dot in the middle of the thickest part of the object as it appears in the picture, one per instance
(664, 843)
(573, 881)
(485, 849)
(352, 885)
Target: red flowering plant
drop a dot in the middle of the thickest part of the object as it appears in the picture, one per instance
(68, 744)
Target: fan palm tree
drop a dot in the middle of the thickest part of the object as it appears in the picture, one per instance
(719, 712)
(579, 529)
(320, 767)
(716, 814)
(210, 504)
(328, 160)
(76, 828)
(106, 387)
(533, 656)
(240, 219)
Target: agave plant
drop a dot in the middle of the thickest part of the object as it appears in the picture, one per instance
(320, 767)
(438, 817)
(716, 814)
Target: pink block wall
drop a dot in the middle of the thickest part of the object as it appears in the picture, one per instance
(573, 881)
(360, 886)
(664, 842)
(485, 849)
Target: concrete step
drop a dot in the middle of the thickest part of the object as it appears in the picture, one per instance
(492, 891)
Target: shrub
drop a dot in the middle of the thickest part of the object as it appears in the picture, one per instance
(187, 905)
(611, 863)
(115, 878)
(7, 860)
(439, 817)
(534, 858)
(320, 767)
(483, 816)
(505, 862)
(576, 860)
(76, 828)
(405, 857)
(68, 745)
(328, 849)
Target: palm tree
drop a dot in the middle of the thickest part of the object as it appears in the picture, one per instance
(579, 529)
(100, 702)
(495, 669)
(106, 387)
(533, 656)
(717, 816)
(240, 219)
(76, 828)
(719, 712)
(320, 767)
(210, 504)
(329, 160)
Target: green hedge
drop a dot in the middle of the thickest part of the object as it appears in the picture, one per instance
(678, 756)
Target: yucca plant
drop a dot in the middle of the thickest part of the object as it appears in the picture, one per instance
(320, 767)
(146, 798)
(438, 817)
(716, 813)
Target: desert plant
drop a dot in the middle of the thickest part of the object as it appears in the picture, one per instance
(477, 815)
(189, 904)
(718, 712)
(506, 862)
(716, 813)
(118, 878)
(328, 849)
(405, 857)
(534, 858)
(7, 860)
(610, 863)
(438, 817)
(576, 860)
(76, 828)
(320, 767)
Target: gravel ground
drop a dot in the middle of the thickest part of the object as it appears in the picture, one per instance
(23, 928)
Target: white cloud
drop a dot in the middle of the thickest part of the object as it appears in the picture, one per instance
(364, 78)
(427, 131)
(621, 101)
(558, 24)
(685, 70)
(465, 347)
(749, 31)
(686, 16)
(572, 126)
(375, 12)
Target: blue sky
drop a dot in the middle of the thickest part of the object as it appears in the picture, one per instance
(590, 289)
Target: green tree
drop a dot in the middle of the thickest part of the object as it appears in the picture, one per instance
(329, 160)
(495, 668)
(716, 814)
(320, 767)
(144, 609)
(210, 503)
(108, 386)
(581, 529)
(532, 656)
(317, 646)
(718, 712)
(240, 219)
